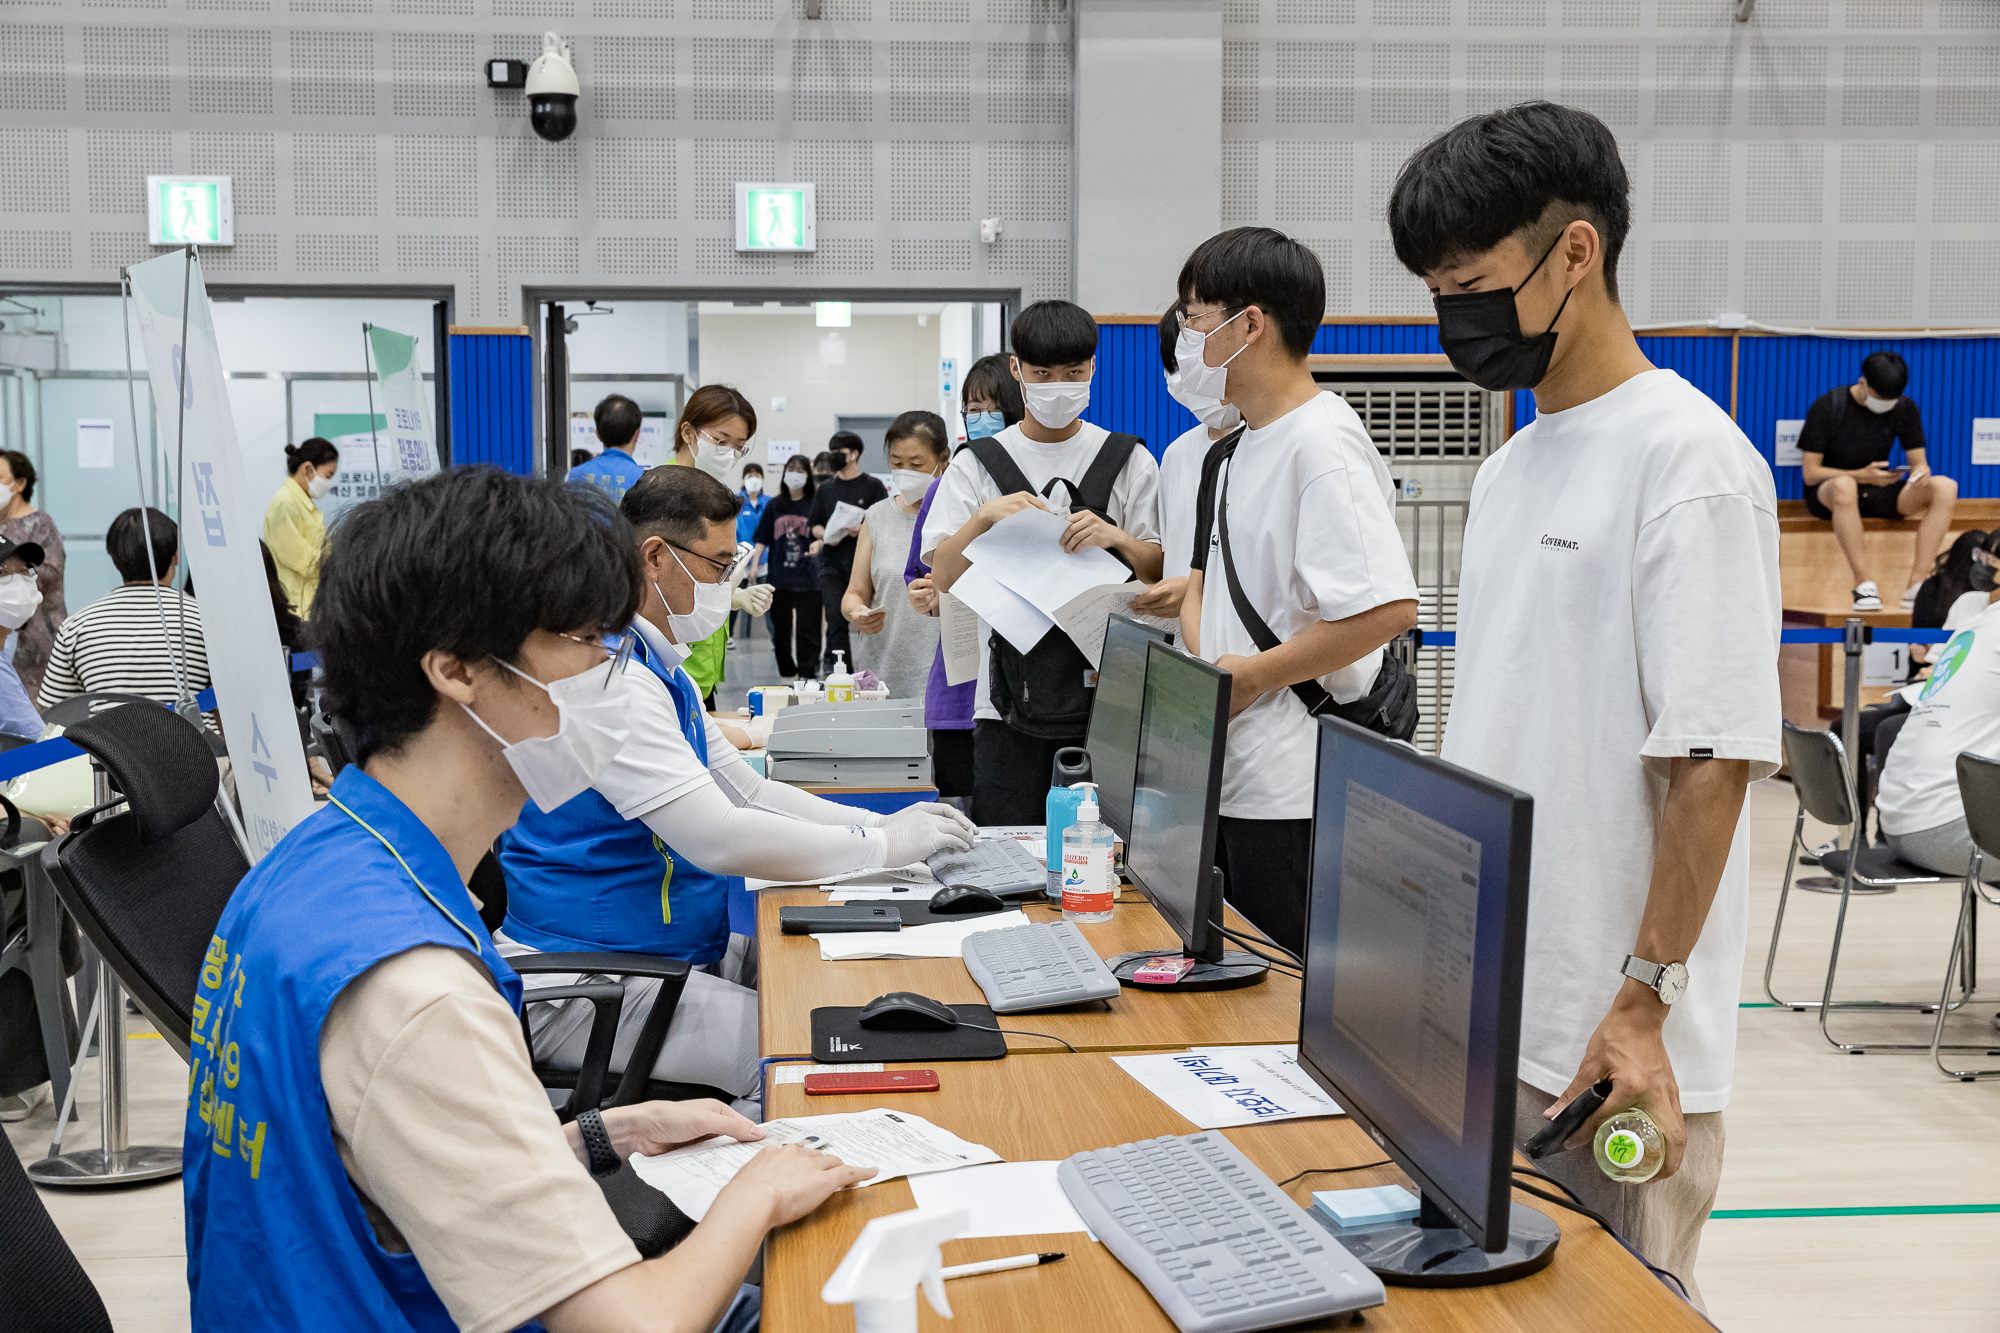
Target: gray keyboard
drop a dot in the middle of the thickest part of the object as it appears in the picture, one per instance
(1037, 967)
(998, 865)
(1218, 1244)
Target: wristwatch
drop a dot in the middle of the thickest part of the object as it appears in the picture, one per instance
(1668, 980)
(597, 1142)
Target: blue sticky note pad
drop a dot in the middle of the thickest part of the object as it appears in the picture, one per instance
(1369, 1207)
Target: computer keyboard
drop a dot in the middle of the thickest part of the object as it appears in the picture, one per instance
(998, 865)
(1218, 1244)
(1037, 967)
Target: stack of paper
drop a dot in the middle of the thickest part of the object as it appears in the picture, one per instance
(843, 522)
(941, 939)
(1216, 1087)
(896, 1143)
(1023, 584)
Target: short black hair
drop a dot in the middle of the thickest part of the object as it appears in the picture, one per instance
(757, 468)
(848, 442)
(927, 428)
(1887, 373)
(317, 451)
(677, 503)
(125, 543)
(1260, 266)
(825, 459)
(1532, 168)
(470, 561)
(991, 379)
(1170, 336)
(578, 457)
(617, 419)
(1054, 333)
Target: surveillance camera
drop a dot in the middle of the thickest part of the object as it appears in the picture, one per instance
(552, 90)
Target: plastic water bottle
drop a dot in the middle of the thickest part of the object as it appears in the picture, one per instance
(1630, 1147)
(1088, 888)
(839, 681)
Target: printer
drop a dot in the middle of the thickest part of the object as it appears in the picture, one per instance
(867, 743)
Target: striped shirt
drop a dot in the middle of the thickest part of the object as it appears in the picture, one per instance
(115, 646)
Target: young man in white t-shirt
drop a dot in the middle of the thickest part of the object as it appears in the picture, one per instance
(1180, 475)
(1313, 539)
(1618, 622)
(1055, 355)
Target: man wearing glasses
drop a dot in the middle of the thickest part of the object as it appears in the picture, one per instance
(645, 861)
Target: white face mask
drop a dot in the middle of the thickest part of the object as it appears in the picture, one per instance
(18, 599)
(319, 486)
(1056, 405)
(795, 482)
(1879, 405)
(711, 607)
(753, 485)
(1198, 378)
(713, 458)
(910, 484)
(1211, 412)
(555, 770)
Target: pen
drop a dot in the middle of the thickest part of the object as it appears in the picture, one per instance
(999, 1265)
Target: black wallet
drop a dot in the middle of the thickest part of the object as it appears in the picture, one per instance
(829, 920)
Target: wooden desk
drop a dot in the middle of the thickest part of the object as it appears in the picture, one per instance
(792, 982)
(1029, 1110)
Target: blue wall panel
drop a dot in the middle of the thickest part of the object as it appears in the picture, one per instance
(1702, 362)
(493, 400)
(1130, 391)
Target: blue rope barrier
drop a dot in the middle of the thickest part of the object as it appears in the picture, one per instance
(41, 754)
(1434, 638)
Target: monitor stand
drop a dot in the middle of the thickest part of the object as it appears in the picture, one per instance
(1430, 1251)
(1236, 969)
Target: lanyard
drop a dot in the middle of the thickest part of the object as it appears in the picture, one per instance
(411, 873)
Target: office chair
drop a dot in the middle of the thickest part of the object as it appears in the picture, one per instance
(39, 942)
(1820, 776)
(1979, 790)
(46, 1288)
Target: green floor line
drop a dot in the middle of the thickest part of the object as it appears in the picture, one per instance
(1759, 1005)
(1917, 1210)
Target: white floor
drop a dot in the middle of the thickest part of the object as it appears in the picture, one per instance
(1809, 1129)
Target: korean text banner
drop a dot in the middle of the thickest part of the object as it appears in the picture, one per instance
(407, 450)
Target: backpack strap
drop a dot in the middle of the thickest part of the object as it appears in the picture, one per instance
(1094, 491)
(1204, 505)
(999, 465)
(1310, 692)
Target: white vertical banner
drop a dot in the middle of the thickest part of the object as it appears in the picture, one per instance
(220, 526)
(411, 452)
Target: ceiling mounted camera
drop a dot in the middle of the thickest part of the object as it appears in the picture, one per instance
(552, 91)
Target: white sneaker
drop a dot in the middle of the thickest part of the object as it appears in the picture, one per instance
(1910, 598)
(22, 1104)
(1867, 597)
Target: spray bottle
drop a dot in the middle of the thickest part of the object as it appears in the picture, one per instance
(1088, 887)
(891, 1256)
(839, 681)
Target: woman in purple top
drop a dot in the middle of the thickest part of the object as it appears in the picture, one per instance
(992, 402)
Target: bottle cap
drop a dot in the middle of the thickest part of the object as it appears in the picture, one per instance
(1086, 813)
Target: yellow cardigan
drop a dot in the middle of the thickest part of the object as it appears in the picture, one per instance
(295, 531)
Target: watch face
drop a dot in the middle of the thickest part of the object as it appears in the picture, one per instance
(1673, 982)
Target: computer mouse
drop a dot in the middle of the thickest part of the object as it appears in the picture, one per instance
(962, 899)
(907, 1011)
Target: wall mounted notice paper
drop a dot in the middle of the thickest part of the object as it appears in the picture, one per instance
(941, 939)
(1011, 616)
(1217, 1087)
(1001, 1198)
(93, 443)
(895, 1143)
(1785, 444)
(1985, 439)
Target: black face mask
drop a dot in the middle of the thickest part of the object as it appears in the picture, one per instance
(1481, 334)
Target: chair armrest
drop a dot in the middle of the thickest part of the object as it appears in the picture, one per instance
(607, 999)
(614, 964)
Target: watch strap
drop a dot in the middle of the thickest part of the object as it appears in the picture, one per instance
(597, 1142)
(1641, 971)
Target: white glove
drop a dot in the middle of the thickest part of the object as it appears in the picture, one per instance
(756, 599)
(918, 831)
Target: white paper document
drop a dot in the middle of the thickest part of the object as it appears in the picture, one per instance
(1217, 1087)
(843, 522)
(961, 637)
(1011, 616)
(896, 1143)
(1001, 1198)
(940, 939)
(93, 443)
(1024, 551)
(1986, 440)
(1085, 616)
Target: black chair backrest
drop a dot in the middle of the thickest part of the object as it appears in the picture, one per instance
(1979, 789)
(148, 885)
(46, 1288)
(1819, 774)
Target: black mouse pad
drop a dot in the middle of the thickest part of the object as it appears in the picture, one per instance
(839, 1039)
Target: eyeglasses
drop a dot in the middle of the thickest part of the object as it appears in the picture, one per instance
(1189, 316)
(619, 655)
(727, 567)
(734, 450)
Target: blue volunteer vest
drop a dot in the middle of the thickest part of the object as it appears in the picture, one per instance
(612, 471)
(276, 1238)
(585, 877)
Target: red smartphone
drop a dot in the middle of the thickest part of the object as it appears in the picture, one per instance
(880, 1080)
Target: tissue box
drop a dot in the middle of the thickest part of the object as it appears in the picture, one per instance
(1366, 1207)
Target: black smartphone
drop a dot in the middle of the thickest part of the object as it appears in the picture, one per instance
(1557, 1131)
(822, 920)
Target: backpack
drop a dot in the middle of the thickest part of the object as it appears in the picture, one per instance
(1390, 706)
(1046, 692)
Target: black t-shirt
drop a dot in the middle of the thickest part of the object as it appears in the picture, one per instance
(1846, 435)
(786, 532)
(860, 492)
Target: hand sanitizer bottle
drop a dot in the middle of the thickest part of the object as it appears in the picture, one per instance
(1630, 1147)
(1087, 886)
(839, 681)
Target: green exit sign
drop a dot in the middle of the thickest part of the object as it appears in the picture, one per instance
(189, 210)
(774, 217)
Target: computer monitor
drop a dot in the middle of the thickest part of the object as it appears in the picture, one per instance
(1113, 738)
(1176, 788)
(1416, 929)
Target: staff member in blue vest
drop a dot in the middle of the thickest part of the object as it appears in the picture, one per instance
(642, 862)
(367, 1146)
(618, 419)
